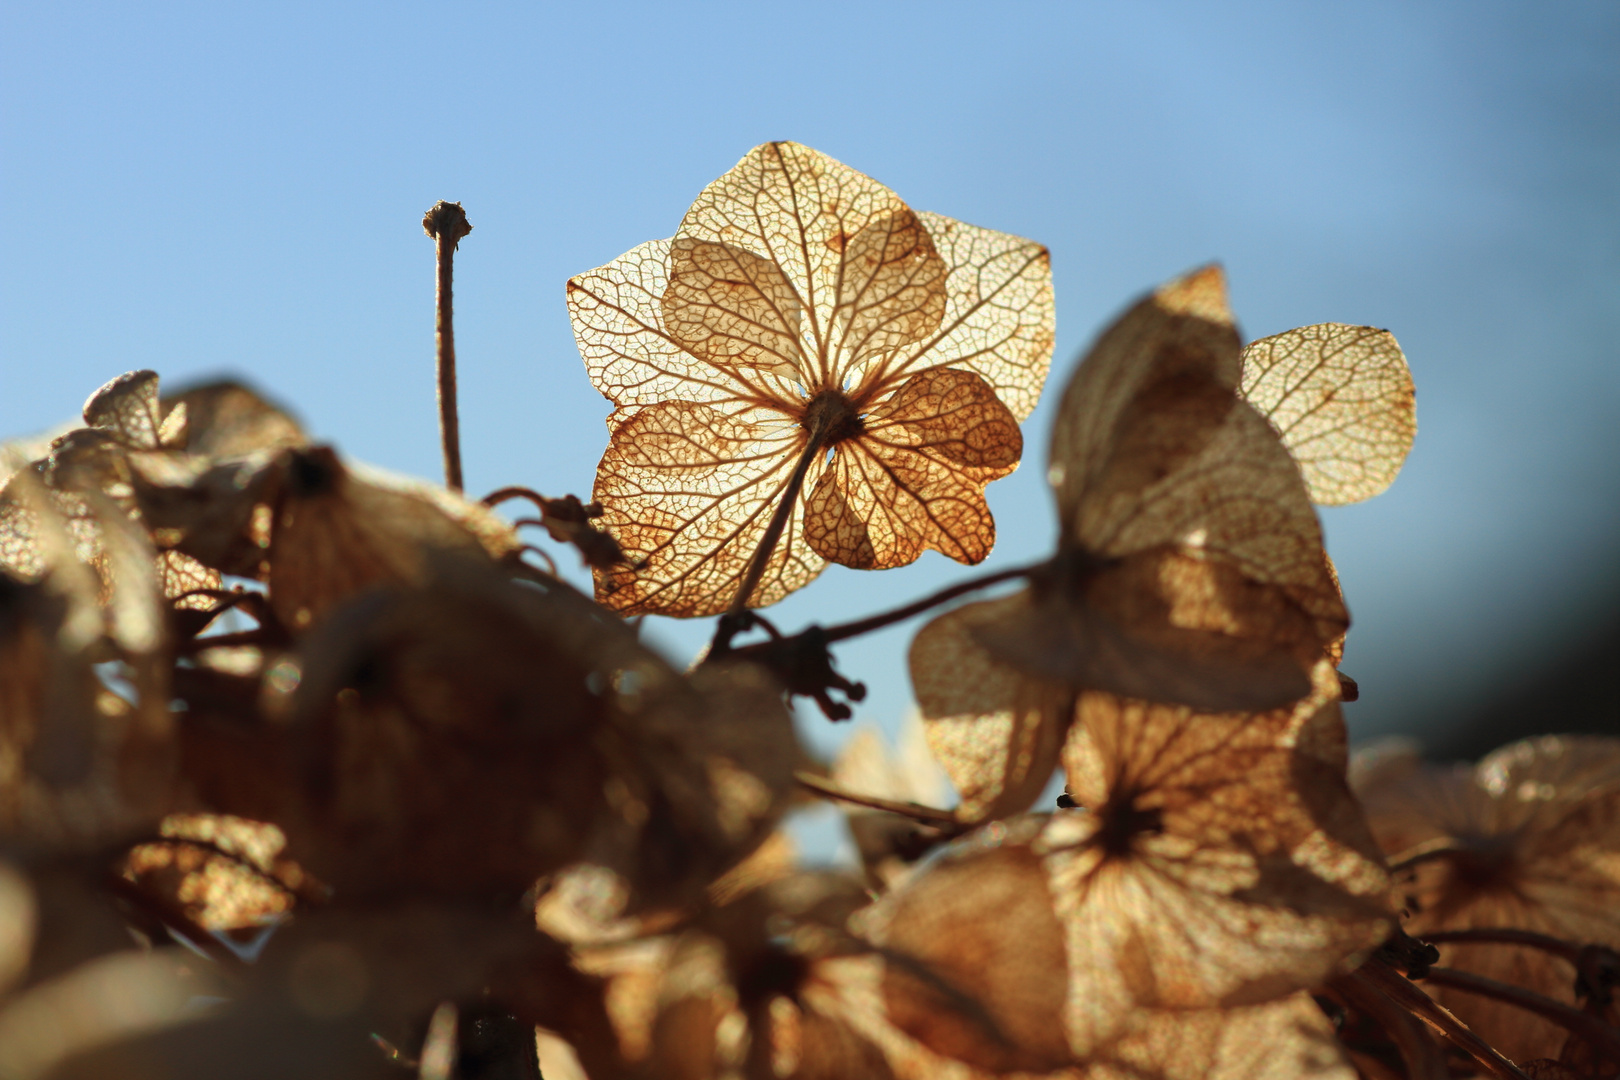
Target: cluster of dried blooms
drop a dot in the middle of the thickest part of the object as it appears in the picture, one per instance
(307, 770)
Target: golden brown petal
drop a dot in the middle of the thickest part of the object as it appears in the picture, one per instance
(974, 964)
(914, 478)
(335, 534)
(1288, 1039)
(799, 209)
(1342, 399)
(688, 493)
(891, 290)
(732, 307)
(1217, 862)
(1190, 564)
(227, 419)
(630, 357)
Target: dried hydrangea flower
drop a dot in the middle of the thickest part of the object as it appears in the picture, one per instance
(802, 307)
(1238, 573)
(1190, 565)
(1220, 860)
(1527, 839)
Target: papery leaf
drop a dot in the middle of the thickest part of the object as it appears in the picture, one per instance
(1342, 399)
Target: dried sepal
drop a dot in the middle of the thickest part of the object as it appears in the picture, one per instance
(1342, 399)
(803, 307)
(1220, 859)
(470, 736)
(996, 731)
(79, 764)
(1529, 839)
(1190, 565)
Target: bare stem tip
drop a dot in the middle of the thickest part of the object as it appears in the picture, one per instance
(448, 221)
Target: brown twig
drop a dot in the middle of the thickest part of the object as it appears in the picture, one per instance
(779, 520)
(1502, 935)
(1410, 997)
(1601, 1036)
(928, 815)
(447, 223)
(917, 607)
(1420, 1053)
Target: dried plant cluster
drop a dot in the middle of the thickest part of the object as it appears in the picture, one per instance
(307, 770)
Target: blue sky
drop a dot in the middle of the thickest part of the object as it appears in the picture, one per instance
(217, 188)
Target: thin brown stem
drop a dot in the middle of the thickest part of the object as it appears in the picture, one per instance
(779, 520)
(917, 607)
(1594, 1031)
(447, 224)
(928, 815)
(1427, 851)
(1502, 935)
(1411, 998)
(1421, 1055)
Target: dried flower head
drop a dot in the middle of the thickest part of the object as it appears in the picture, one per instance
(1528, 839)
(1219, 860)
(806, 329)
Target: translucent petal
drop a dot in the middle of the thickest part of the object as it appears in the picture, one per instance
(1342, 399)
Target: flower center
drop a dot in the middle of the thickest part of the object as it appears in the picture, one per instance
(832, 414)
(1120, 823)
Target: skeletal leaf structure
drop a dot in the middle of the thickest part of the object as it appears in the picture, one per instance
(806, 331)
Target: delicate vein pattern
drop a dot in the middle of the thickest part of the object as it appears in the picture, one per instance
(803, 314)
(1342, 399)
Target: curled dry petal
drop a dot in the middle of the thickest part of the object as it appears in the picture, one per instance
(802, 308)
(1342, 399)
(1528, 839)
(1190, 566)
